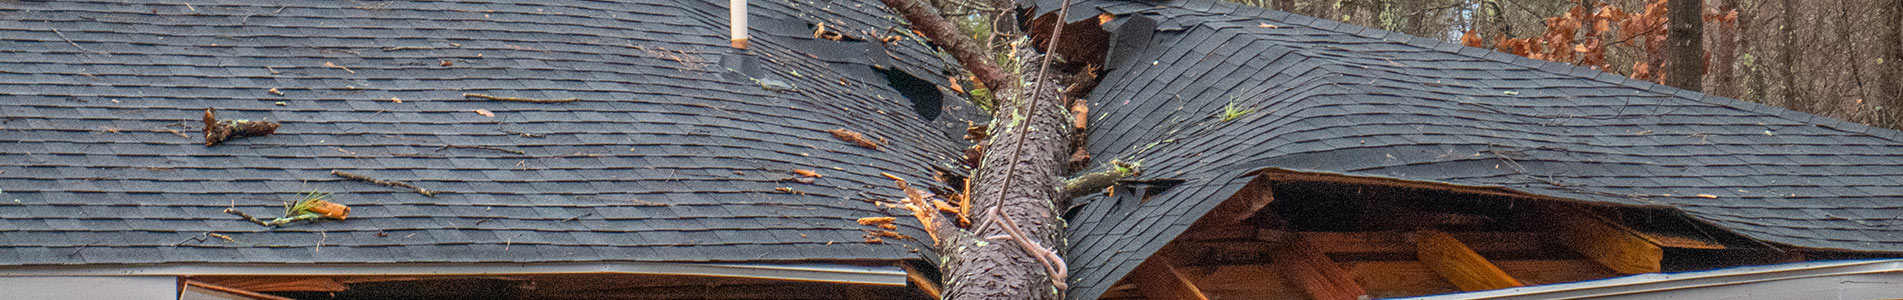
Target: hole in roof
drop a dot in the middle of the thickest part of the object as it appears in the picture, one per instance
(831, 32)
(926, 100)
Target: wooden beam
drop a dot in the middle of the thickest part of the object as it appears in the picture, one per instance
(1400, 242)
(1313, 272)
(919, 280)
(275, 283)
(233, 291)
(1614, 246)
(1245, 203)
(1459, 264)
(1158, 278)
(1408, 278)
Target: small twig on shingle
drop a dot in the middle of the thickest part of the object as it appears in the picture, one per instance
(529, 100)
(247, 217)
(518, 152)
(388, 183)
(70, 41)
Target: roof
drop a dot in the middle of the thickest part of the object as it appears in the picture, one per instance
(675, 153)
(1341, 99)
(1855, 279)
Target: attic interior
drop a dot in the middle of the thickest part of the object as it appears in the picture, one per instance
(1307, 236)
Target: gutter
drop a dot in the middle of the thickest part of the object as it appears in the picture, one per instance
(1655, 283)
(828, 273)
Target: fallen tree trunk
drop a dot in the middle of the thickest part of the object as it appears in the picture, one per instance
(1010, 253)
(1010, 250)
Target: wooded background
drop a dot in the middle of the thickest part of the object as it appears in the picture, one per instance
(1835, 58)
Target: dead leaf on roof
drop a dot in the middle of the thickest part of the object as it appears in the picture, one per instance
(485, 113)
(335, 66)
(1708, 196)
(789, 190)
(854, 137)
(807, 173)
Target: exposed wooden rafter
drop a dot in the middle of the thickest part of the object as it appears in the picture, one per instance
(1245, 203)
(1459, 264)
(1312, 271)
(1158, 278)
(1616, 247)
(924, 283)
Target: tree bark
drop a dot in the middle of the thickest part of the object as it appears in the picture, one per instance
(1684, 44)
(1788, 60)
(1724, 54)
(1892, 80)
(947, 36)
(980, 267)
(1010, 250)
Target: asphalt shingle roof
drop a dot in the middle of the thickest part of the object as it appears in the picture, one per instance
(675, 152)
(1336, 98)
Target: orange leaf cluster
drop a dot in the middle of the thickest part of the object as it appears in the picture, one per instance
(1583, 35)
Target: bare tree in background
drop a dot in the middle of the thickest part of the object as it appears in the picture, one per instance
(1684, 45)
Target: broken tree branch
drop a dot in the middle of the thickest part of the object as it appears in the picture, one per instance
(220, 131)
(948, 37)
(247, 217)
(516, 99)
(388, 183)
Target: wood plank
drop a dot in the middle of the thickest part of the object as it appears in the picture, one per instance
(1157, 278)
(1400, 242)
(275, 283)
(1245, 203)
(1313, 272)
(1256, 282)
(1609, 244)
(1387, 279)
(1460, 265)
(919, 280)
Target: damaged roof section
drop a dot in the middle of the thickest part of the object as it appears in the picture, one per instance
(1214, 91)
(677, 148)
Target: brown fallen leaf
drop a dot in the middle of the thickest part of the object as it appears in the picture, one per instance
(876, 220)
(1708, 196)
(394, 99)
(807, 173)
(854, 137)
(789, 190)
(485, 113)
(274, 91)
(335, 66)
(888, 226)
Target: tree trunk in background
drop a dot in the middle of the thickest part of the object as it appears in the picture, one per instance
(1684, 44)
(1724, 54)
(1787, 60)
(1892, 72)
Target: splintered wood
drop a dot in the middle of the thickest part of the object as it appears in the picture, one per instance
(921, 206)
(854, 137)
